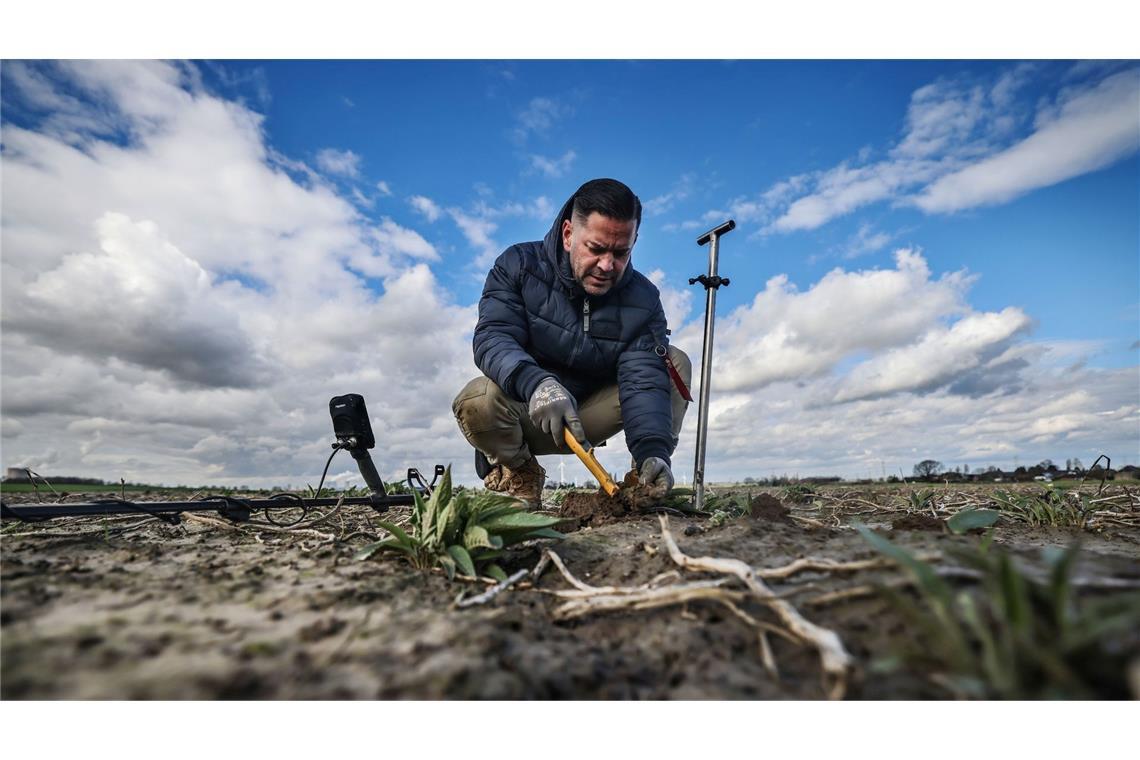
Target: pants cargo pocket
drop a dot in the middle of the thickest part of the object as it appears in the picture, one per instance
(470, 407)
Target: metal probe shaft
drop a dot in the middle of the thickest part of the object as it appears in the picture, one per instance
(711, 282)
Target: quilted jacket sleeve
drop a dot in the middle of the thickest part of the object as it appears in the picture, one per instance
(503, 330)
(643, 389)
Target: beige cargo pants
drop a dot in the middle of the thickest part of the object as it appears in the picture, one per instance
(501, 428)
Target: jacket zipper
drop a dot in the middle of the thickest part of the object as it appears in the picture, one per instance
(586, 315)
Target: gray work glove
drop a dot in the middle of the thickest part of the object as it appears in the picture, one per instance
(551, 406)
(655, 472)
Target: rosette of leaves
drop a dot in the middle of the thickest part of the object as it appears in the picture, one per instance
(1018, 633)
(462, 531)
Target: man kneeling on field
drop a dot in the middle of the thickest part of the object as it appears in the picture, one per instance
(571, 335)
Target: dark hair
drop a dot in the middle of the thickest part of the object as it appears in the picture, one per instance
(609, 198)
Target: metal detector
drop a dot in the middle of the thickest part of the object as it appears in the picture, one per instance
(353, 434)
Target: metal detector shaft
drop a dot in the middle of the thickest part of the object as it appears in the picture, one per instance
(711, 282)
(232, 508)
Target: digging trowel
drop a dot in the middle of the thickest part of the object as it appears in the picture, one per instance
(591, 462)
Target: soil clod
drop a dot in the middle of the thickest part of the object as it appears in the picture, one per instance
(767, 507)
(918, 521)
(599, 508)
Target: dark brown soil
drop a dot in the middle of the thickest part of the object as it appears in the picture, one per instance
(768, 507)
(130, 608)
(583, 509)
(918, 521)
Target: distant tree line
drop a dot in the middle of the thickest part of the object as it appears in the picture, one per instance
(22, 477)
(933, 470)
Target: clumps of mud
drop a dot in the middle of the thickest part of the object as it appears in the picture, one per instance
(592, 509)
(918, 521)
(767, 507)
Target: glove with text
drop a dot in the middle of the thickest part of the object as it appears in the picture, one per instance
(552, 407)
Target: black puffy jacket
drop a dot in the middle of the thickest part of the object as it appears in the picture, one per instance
(535, 321)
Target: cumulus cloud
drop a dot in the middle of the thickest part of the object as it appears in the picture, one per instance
(384, 188)
(1055, 414)
(343, 163)
(677, 303)
(786, 335)
(426, 206)
(938, 357)
(553, 167)
(141, 300)
(184, 308)
(391, 238)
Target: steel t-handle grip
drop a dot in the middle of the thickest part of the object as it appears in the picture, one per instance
(728, 226)
(591, 462)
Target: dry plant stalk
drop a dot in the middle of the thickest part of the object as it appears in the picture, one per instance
(584, 599)
(834, 658)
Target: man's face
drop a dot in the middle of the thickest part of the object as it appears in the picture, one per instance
(599, 250)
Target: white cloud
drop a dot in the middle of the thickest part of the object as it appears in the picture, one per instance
(393, 239)
(362, 199)
(185, 309)
(665, 202)
(426, 206)
(478, 224)
(677, 303)
(539, 116)
(553, 167)
(941, 117)
(343, 163)
(1091, 130)
(786, 335)
(940, 356)
(384, 188)
(959, 149)
(865, 240)
(141, 300)
(478, 232)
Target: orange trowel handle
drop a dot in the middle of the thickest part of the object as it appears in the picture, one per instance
(591, 462)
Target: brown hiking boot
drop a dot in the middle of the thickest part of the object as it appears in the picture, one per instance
(523, 482)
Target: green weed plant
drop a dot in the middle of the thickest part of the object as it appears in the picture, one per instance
(1052, 506)
(799, 493)
(462, 531)
(1017, 635)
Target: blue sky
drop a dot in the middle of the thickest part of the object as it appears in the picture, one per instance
(933, 259)
(721, 130)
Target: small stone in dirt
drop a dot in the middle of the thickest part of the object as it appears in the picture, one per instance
(321, 629)
(767, 507)
(918, 521)
(88, 640)
(692, 530)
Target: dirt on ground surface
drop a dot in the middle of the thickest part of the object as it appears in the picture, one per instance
(133, 608)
